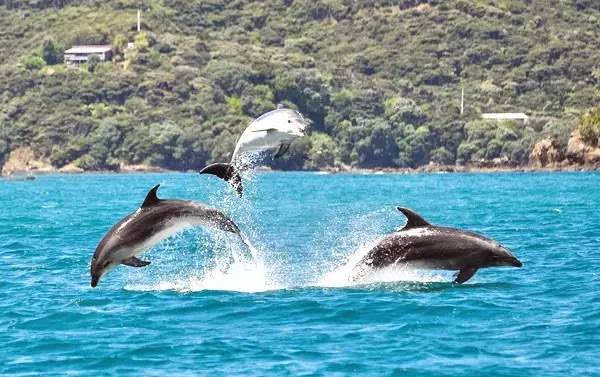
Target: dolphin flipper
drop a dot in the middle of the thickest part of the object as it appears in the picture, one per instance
(282, 149)
(135, 262)
(465, 274)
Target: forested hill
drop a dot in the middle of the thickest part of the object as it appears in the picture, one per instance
(379, 79)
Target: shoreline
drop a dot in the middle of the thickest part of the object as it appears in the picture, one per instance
(31, 174)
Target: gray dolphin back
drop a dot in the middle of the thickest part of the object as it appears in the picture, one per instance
(155, 215)
(423, 245)
(154, 221)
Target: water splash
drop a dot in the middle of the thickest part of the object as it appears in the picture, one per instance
(209, 259)
(363, 233)
(221, 261)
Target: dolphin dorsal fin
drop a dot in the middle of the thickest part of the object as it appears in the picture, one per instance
(413, 220)
(151, 198)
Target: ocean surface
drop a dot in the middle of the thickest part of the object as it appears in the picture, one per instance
(207, 305)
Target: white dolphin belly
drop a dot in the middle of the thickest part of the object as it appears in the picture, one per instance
(172, 227)
(259, 141)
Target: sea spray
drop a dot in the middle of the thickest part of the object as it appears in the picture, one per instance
(341, 245)
(363, 233)
(213, 262)
(202, 259)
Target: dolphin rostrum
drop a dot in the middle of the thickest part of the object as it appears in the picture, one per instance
(422, 245)
(272, 131)
(154, 221)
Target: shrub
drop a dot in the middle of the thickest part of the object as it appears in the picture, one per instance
(442, 156)
(233, 78)
(92, 63)
(589, 126)
(465, 152)
(142, 41)
(235, 105)
(322, 152)
(34, 63)
(4, 145)
(119, 44)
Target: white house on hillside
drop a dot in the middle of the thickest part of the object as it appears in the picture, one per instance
(506, 116)
(81, 54)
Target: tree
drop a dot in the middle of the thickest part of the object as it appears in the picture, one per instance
(442, 156)
(465, 152)
(589, 126)
(379, 149)
(51, 53)
(415, 146)
(4, 144)
(120, 43)
(232, 78)
(104, 144)
(322, 152)
(142, 41)
(92, 63)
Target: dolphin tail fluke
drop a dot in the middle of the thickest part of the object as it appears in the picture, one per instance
(252, 251)
(226, 172)
(245, 241)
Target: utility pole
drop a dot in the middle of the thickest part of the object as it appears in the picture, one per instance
(139, 20)
(462, 101)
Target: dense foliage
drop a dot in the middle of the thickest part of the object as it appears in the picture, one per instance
(380, 80)
(589, 126)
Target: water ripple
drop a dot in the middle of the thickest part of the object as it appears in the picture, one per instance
(293, 311)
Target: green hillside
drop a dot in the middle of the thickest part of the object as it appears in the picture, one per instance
(379, 79)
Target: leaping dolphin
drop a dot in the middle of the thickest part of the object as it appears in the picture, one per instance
(273, 131)
(422, 245)
(154, 221)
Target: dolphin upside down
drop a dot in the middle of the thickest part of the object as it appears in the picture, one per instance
(154, 221)
(273, 131)
(422, 245)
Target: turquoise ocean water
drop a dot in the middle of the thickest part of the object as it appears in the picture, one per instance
(208, 306)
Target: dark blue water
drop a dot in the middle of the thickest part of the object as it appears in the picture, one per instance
(291, 310)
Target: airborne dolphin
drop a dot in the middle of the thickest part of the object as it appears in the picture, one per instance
(154, 221)
(273, 131)
(422, 245)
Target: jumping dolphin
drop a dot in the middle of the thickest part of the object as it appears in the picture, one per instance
(273, 131)
(422, 245)
(154, 221)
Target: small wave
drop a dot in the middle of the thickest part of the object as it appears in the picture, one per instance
(241, 276)
(221, 261)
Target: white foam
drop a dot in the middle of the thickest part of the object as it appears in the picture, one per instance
(237, 272)
(221, 262)
(346, 274)
(239, 277)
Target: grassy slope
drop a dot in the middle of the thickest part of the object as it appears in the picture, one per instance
(337, 61)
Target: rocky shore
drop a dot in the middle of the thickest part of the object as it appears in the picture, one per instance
(22, 161)
(546, 155)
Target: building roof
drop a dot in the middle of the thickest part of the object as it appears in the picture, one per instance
(99, 49)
